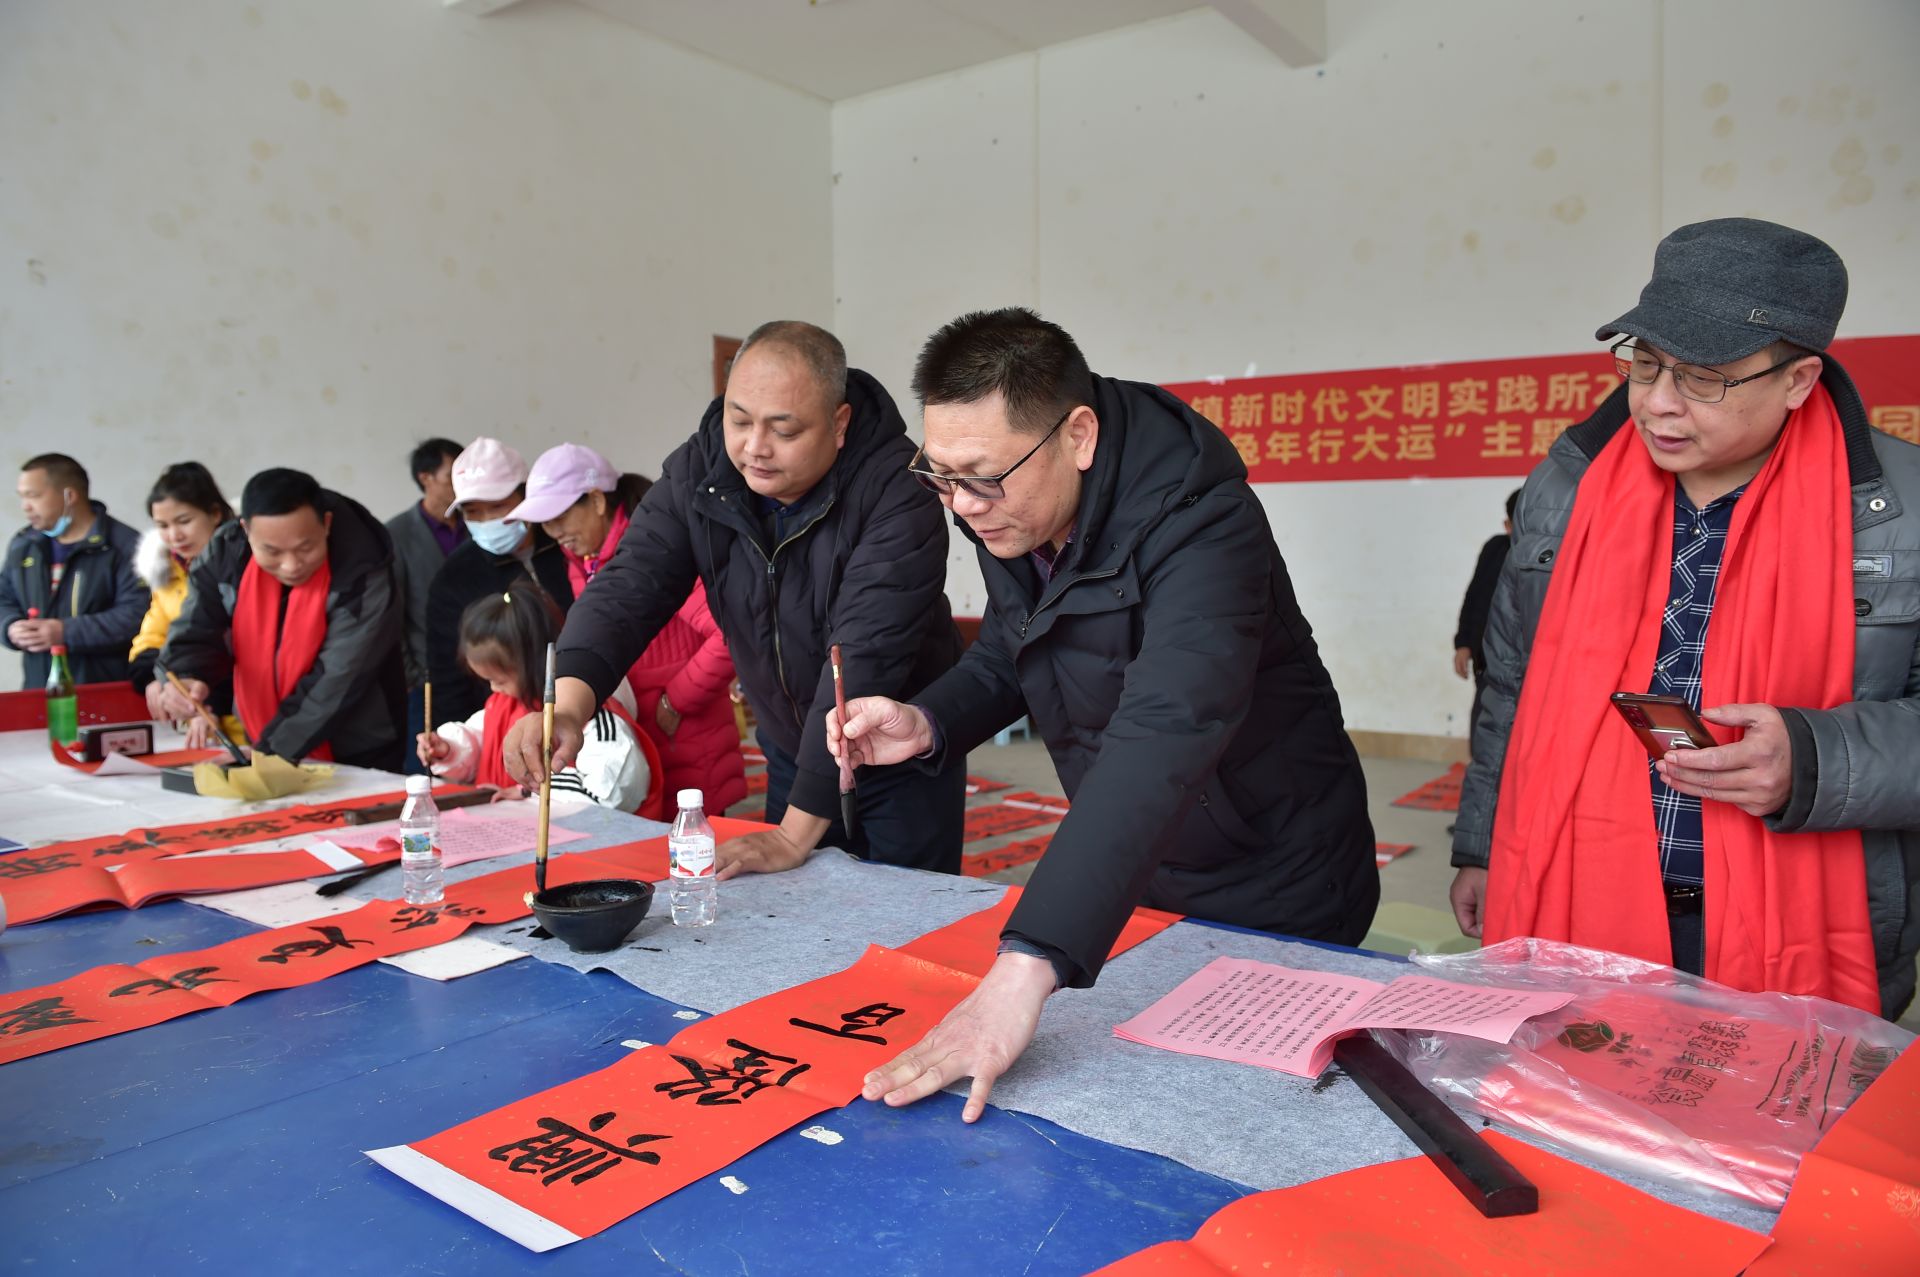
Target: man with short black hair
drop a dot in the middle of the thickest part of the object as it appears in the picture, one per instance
(1139, 613)
(424, 534)
(69, 579)
(295, 601)
(1726, 528)
(793, 505)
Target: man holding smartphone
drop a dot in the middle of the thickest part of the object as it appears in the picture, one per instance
(1726, 529)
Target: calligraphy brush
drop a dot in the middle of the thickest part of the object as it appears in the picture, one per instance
(546, 779)
(426, 716)
(849, 802)
(206, 716)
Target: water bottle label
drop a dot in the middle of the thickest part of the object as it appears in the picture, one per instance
(414, 846)
(691, 857)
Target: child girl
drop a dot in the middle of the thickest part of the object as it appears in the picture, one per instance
(503, 641)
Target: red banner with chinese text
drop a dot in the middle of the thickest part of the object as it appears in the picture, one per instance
(1470, 420)
(570, 1161)
(117, 998)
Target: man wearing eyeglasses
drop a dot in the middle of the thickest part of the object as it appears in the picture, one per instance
(1726, 529)
(1139, 613)
(792, 503)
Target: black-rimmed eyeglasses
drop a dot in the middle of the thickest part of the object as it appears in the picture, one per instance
(986, 487)
(1702, 385)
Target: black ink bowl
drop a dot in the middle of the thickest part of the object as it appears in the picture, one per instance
(595, 916)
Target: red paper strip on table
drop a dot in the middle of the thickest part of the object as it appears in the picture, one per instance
(990, 822)
(1009, 856)
(36, 887)
(981, 785)
(756, 783)
(165, 758)
(1489, 417)
(1404, 1217)
(45, 881)
(1855, 1207)
(101, 1002)
(573, 1160)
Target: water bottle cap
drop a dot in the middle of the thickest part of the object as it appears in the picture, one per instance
(690, 798)
(419, 784)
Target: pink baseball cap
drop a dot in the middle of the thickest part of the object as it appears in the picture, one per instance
(487, 470)
(561, 477)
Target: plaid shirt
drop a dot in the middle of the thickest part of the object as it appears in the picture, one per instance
(1699, 539)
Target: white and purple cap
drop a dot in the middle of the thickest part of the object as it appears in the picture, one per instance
(560, 477)
(487, 470)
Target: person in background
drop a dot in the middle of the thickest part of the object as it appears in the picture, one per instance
(503, 641)
(187, 507)
(424, 534)
(1469, 652)
(294, 602)
(680, 682)
(69, 579)
(489, 480)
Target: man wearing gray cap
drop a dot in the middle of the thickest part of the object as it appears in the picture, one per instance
(1726, 530)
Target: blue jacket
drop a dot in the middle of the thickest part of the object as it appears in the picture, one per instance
(101, 598)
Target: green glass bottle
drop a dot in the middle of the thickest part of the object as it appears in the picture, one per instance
(63, 707)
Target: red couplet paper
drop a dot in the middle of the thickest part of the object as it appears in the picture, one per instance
(571, 1161)
(1404, 1217)
(1855, 1208)
(972, 943)
(117, 998)
(165, 758)
(49, 880)
(990, 822)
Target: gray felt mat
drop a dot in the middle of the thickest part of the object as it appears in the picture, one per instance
(1254, 1126)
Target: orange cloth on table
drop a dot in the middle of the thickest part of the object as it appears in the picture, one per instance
(271, 656)
(688, 661)
(1575, 853)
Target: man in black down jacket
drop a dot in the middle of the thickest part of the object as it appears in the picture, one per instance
(72, 568)
(1138, 611)
(353, 696)
(792, 502)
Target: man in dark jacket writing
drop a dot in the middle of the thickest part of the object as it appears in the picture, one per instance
(792, 502)
(295, 601)
(1139, 612)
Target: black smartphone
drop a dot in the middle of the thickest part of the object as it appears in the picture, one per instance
(1663, 723)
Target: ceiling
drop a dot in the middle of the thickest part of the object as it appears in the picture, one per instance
(838, 49)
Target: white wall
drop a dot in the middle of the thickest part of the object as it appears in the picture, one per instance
(310, 232)
(1479, 179)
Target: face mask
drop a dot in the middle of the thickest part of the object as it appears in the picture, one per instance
(498, 536)
(59, 529)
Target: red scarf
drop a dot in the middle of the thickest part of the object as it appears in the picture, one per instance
(269, 658)
(1575, 852)
(502, 713)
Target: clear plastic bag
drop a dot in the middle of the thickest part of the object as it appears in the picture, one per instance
(1654, 1071)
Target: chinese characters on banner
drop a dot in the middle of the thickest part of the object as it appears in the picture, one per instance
(1466, 420)
(573, 1160)
(115, 999)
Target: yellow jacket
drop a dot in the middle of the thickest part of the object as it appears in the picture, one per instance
(167, 578)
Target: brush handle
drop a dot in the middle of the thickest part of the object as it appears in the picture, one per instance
(546, 778)
(206, 716)
(840, 703)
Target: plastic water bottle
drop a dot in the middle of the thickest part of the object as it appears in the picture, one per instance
(63, 707)
(422, 879)
(690, 881)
